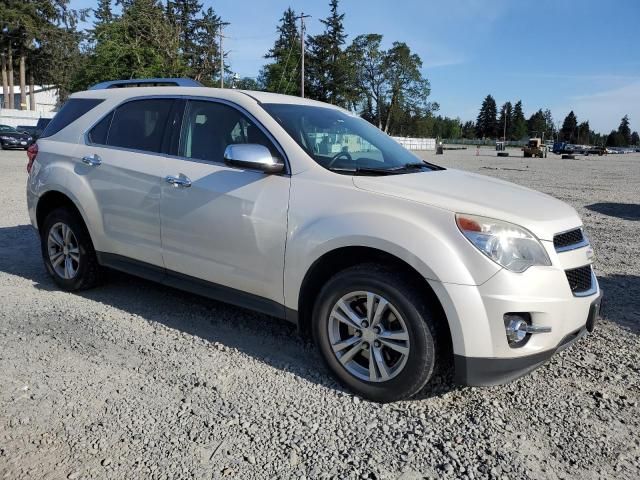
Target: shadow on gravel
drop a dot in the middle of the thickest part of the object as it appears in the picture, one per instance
(621, 302)
(269, 340)
(625, 211)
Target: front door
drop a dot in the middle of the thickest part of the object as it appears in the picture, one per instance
(223, 224)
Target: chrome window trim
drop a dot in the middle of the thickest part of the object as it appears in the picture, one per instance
(285, 159)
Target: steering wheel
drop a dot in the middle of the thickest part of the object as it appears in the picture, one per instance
(337, 156)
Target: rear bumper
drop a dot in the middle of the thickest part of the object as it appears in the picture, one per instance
(478, 371)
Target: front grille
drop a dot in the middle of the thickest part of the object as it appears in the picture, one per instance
(579, 279)
(568, 239)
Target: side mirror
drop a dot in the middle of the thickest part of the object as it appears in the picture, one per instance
(252, 155)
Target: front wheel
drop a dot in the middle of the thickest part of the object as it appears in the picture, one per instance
(376, 333)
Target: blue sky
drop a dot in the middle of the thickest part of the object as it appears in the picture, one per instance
(558, 54)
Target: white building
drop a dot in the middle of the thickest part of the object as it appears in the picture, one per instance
(46, 102)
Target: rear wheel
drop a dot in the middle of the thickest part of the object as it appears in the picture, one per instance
(375, 332)
(68, 252)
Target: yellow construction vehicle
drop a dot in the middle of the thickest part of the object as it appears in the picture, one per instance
(535, 148)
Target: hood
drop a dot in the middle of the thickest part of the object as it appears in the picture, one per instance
(463, 192)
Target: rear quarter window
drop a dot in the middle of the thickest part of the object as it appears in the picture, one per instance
(69, 113)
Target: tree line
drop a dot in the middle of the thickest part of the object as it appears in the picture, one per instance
(40, 40)
(509, 123)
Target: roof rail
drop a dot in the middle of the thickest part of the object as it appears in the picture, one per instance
(147, 82)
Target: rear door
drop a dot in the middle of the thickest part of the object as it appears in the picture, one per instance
(228, 225)
(124, 163)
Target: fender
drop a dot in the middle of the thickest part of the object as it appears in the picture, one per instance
(54, 175)
(410, 233)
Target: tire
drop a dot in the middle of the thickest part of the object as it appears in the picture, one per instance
(83, 271)
(503, 154)
(406, 315)
(568, 157)
(527, 155)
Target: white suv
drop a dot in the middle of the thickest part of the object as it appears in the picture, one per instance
(304, 211)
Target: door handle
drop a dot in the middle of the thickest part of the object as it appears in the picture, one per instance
(92, 160)
(181, 181)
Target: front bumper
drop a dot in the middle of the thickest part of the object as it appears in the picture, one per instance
(478, 371)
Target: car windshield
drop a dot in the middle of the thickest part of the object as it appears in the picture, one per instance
(345, 143)
(7, 129)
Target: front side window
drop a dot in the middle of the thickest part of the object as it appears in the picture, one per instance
(139, 125)
(209, 127)
(343, 142)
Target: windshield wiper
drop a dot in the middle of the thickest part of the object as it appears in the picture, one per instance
(365, 170)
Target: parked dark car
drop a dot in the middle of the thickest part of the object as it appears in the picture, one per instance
(12, 138)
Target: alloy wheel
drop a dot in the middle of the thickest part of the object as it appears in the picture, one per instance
(63, 250)
(368, 336)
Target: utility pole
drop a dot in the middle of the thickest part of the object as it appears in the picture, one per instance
(222, 25)
(302, 16)
(504, 133)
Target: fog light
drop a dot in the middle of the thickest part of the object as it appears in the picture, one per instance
(515, 326)
(518, 328)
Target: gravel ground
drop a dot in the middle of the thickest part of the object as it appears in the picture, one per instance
(135, 380)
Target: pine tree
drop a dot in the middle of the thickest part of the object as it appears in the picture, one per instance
(204, 58)
(520, 129)
(550, 128)
(328, 71)
(486, 122)
(635, 138)
(624, 130)
(103, 13)
(537, 125)
(283, 74)
(569, 128)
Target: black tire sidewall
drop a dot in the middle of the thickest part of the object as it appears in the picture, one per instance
(422, 354)
(85, 247)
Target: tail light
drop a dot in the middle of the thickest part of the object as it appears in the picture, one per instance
(32, 151)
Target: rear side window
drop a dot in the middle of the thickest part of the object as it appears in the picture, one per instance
(71, 111)
(98, 134)
(139, 125)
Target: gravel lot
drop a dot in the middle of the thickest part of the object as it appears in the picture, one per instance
(135, 380)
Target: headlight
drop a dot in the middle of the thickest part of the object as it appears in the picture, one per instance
(509, 245)
(6, 138)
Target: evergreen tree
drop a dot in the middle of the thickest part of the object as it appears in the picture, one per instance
(203, 62)
(139, 43)
(103, 13)
(520, 128)
(283, 74)
(550, 128)
(537, 125)
(635, 139)
(583, 133)
(469, 130)
(328, 67)
(569, 128)
(624, 130)
(505, 122)
(486, 122)
(615, 139)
